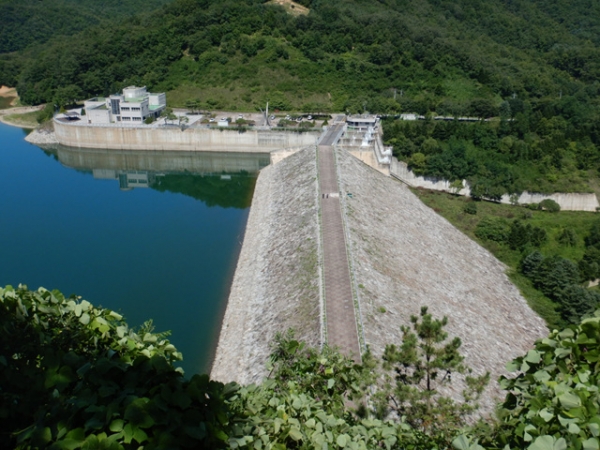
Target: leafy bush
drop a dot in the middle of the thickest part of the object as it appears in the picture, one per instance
(553, 401)
(45, 114)
(549, 205)
(492, 229)
(558, 278)
(568, 237)
(520, 236)
(77, 376)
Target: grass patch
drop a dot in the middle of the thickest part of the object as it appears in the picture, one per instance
(460, 89)
(6, 102)
(451, 207)
(27, 120)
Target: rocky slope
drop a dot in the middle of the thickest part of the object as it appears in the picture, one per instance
(406, 256)
(276, 283)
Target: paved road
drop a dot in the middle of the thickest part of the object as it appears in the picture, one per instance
(339, 305)
(332, 135)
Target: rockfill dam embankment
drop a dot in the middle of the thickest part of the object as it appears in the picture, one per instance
(403, 256)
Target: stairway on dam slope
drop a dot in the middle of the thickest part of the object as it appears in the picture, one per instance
(339, 305)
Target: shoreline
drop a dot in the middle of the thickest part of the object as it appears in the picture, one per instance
(19, 110)
(16, 125)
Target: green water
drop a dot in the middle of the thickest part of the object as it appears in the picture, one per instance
(154, 235)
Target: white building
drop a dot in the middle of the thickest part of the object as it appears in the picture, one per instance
(134, 106)
(362, 123)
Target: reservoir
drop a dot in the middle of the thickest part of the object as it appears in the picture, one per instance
(152, 235)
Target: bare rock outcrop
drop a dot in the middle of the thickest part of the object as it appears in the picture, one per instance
(276, 283)
(406, 256)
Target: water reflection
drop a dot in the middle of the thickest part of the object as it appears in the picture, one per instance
(217, 179)
(153, 252)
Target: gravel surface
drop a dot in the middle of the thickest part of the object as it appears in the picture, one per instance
(276, 283)
(42, 137)
(406, 256)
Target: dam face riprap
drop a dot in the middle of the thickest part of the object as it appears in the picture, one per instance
(276, 284)
(404, 255)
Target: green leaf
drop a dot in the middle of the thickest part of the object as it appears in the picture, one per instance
(137, 415)
(533, 356)
(84, 319)
(546, 414)
(74, 439)
(295, 434)
(116, 425)
(590, 444)
(562, 352)
(297, 403)
(560, 444)
(512, 366)
(461, 443)
(330, 383)
(569, 400)
(342, 440)
(594, 428)
(140, 435)
(128, 433)
(542, 376)
(542, 443)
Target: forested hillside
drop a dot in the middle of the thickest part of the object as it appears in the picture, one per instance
(429, 55)
(32, 21)
(533, 63)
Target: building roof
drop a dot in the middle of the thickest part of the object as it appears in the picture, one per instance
(134, 99)
(362, 119)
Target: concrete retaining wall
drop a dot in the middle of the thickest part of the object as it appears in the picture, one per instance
(173, 138)
(567, 201)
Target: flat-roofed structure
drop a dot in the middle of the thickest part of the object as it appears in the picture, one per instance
(362, 123)
(134, 105)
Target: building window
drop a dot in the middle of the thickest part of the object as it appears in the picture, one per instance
(126, 118)
(136, 118)
(114, 106)
(125, 108)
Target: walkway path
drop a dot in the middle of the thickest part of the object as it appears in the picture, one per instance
(339, 304)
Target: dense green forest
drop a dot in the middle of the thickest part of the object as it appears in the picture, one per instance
(32, 21)
(443, 56)
(76, 376)
(533, 64)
